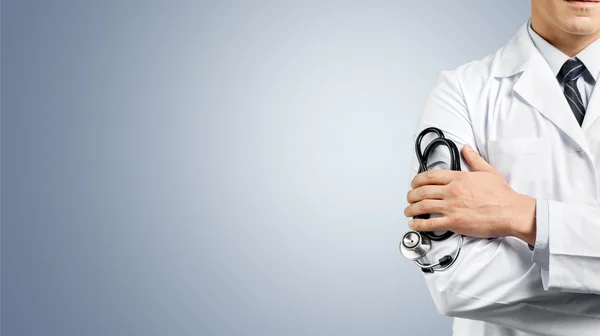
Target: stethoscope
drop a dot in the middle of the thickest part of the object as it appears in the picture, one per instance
(416, 244)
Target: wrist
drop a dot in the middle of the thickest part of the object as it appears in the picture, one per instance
(523, 225)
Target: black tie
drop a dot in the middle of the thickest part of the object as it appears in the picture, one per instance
(568, 74)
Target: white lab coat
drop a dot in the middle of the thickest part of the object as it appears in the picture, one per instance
(510, 107)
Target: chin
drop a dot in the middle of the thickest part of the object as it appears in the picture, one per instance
(582, 25)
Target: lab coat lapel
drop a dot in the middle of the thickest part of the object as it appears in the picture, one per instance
(592, 111)
(540, 89)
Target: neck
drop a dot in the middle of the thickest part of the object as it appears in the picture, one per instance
(569, 44)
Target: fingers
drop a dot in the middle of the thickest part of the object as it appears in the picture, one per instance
(426, 207)
(431, 224)
(434, 177)
(425, 192)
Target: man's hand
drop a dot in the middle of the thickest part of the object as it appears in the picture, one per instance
(477, 203)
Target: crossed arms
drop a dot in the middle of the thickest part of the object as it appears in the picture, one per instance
(495, 278)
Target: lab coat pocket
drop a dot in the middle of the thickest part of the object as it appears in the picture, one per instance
(525, 163)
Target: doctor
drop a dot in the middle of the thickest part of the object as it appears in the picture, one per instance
(528, 199)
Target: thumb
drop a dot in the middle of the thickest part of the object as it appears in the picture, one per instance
(475, 161)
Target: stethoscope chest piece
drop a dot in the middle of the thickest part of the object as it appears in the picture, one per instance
(414, 245)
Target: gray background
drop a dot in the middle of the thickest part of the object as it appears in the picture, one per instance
(220, 168)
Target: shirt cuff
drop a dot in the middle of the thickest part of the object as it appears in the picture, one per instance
(541, 250)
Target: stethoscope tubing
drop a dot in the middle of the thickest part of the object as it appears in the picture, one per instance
(422, 156)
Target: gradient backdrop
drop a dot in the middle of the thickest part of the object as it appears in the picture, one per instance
(220, 168)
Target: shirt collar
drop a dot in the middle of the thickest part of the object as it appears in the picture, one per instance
(590, 56)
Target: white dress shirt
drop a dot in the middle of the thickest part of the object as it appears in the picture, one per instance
(555, 58)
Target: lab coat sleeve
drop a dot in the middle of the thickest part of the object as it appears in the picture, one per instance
(541, 250)
(495, 280)
(572, 260)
